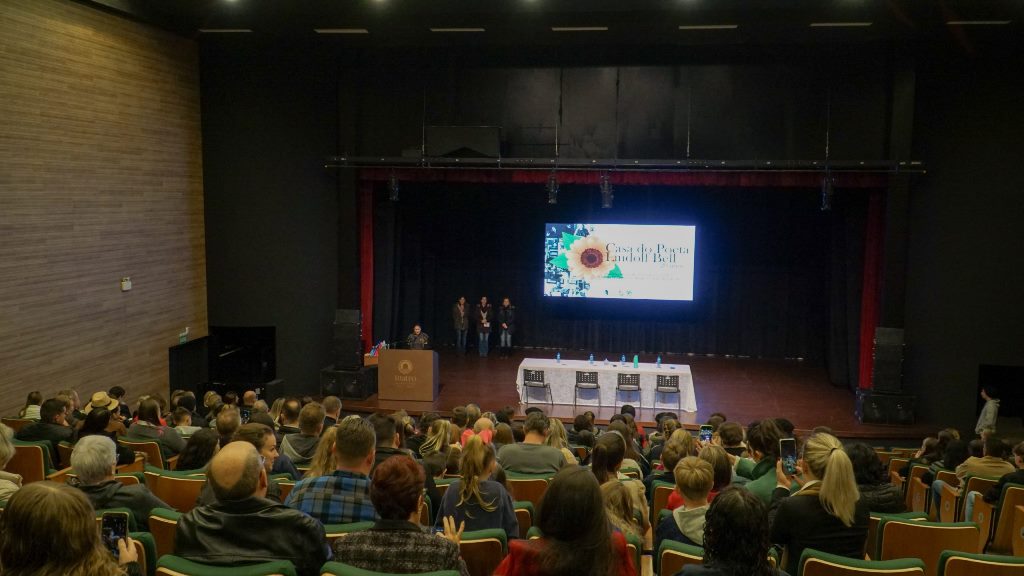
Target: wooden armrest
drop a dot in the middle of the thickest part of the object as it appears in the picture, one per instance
(60, 476)
(172, 462)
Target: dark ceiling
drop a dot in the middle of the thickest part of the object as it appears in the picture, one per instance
(406, 23)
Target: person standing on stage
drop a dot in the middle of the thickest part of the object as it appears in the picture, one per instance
(460, 319)
(507, 322)
(418, 340)
(483, 324)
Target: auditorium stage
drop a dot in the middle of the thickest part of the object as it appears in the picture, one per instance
(743, 389)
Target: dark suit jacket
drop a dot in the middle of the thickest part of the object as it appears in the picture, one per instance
(800, 521)
(53, 434)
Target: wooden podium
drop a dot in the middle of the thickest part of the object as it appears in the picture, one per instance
(407, 375)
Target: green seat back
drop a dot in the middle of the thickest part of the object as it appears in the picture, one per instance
(979, 564)
(175, 565)
(812, 559)
(339, 569)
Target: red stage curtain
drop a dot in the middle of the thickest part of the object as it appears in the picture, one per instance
(872, 285)
(366, 260)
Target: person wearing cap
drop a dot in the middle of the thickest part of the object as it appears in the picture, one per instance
(103, 400)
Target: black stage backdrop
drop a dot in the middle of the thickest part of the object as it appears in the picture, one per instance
(776, 276)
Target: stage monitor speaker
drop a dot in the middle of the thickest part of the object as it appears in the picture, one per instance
(880, 408)
(349, 384)
(887, 369)
(348, 340)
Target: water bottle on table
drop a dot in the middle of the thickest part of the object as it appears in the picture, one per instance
(636, 361)
(558, 357)
(591, 358)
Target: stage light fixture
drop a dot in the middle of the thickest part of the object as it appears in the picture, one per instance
(607, 192)
(827, 192)
(393, 188)
(552, 188)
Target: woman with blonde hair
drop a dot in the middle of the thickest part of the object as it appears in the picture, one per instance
(476, 499)
(557, 438)
(32, 405)
(618, 504)
(323, 463)
(436, 447)
(606, 459)
(484, 428)
(50, 528)
(275, 410)
(826, 513)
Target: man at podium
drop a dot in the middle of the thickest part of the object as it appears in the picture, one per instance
(418, 340)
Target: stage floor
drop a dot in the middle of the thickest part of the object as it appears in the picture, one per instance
(742, 389)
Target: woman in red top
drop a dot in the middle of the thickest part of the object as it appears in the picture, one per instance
(578, 538)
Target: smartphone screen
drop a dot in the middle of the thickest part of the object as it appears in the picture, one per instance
(114, 527)
(705, 433)
(245, 413)
(787, 451)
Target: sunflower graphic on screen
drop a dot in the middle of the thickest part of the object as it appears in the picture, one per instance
(586, 258)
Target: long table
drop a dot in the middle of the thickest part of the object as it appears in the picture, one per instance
(562, 377)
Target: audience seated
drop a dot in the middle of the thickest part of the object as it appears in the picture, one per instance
(396, 544)
(75, 415)
(991, 465)
(674, 452)
(618, 504)
(188, 401)
(483, 427)
(322, 463)
(825, 513)
(118, 393)
(33, 404)
(343, 495)
(415, 441)
(51, 428)
(50, 528)
(502, 436)
(736, 537)
(98, 423)
(763, 442)
(607, 459)
(474, 499)
(243, 527)
(227, 421)
(579, 424)
(263, 440)
(633, 459)
(149, 428)
(248, 399)
(301, 447)
(389, 444)
(994, 493)
(721, 464)
(200, 448)
(288, 421)
(332, 411)
(9, 483)
(638, 431)
(183, 421)
(876, 491)
(694, 479)
(557, 439)
(115, 423)
(576, 535)
(657, 440)
(93, 461)
(730, 436)
(436, 447)
(532, 456)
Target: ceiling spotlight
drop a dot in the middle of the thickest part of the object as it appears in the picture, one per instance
(552, 188)
(393, 188)
(827, 192)
(607, 193)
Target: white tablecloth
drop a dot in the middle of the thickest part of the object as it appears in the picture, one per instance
(562, 377)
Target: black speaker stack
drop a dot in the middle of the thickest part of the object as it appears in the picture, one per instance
(886, 403)
(348, 378)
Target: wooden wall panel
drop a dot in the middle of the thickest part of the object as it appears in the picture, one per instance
(100, 177)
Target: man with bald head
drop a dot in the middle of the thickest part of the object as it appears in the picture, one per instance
(242, 526)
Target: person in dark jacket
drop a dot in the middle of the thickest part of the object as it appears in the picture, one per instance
(301, 447)
(507, 326)
(93, 461)
(243, 527)
(51, 428)
(826, 513)
(875, 489)
(148, 428)
(97, 423)
(386, 430)
(483, 325)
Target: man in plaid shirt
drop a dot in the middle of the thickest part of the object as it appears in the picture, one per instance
(344, 495)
